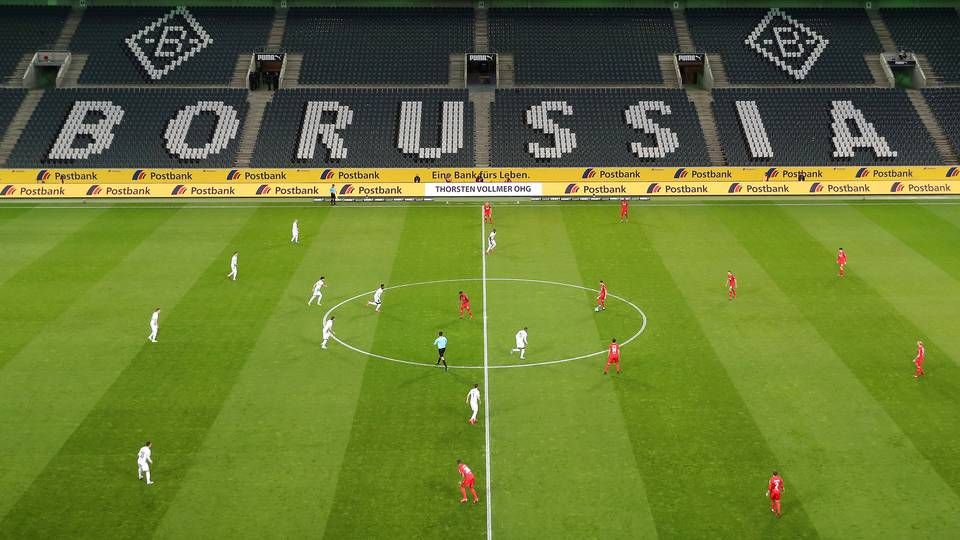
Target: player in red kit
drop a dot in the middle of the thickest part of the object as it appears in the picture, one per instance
(842, 262)
(602, 297)
(918, 361)
(487, 213)
(465, 305)
(466, 481)
(624, 210)
(613, 356)
(731, 286)
(774, 490)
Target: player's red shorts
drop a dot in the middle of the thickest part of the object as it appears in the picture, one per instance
(613, 360)
(465, 306)
(774, 495)
(468, 481)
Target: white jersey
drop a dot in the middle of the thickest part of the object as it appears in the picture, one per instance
(233, 262)
(378, 296)
(328, 327)
(155, 319)
(317, 286)
(296, 228)
(521, 339)
(492, 239)
(143, 456)
(473, 396)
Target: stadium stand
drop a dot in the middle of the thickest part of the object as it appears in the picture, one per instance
(611, 127)
(136, 46)
(378, 46)
(821, 126)
(133, 127)
(26, 30)
(573, 46)
(945, 104)
(10, 99)
(934, 33)
(366, 127)
(814, 46)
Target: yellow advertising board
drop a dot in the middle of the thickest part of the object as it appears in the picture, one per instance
(686, 189)
(262, 190)
(468, 174)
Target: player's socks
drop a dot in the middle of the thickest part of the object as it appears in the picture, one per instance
(474, 493)
(148, 478)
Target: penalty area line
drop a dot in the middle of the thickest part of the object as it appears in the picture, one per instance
(486, 378)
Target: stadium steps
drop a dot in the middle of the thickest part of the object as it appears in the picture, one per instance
(668, 71)
(720, 79)
(933, 80)
(279, 28)
(77, 62)
(18, 124)
(506, 76)
(482, 135)
(875, 64)
(457, 76)
(291, 74)
(883, 33)
(481, 30)
(257, 106)
(940, 139)
(683, 32)
(703, 102)
(240, 70)
(69, 29)
(15, 79)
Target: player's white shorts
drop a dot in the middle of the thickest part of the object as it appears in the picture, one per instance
(475, 407)
(491, 244)
(327, 335)
(144, 466)
(521, 344)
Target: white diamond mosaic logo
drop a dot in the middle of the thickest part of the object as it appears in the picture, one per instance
(788, 43)
(168, 42)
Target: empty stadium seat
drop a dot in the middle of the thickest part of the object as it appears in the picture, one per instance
(612, 127)
(934, 33)
(555, 46)
(378, 46)
(945, 104)
(132, 128)
(366, 128)
(817, 46)
(26, 30)
(129, 45)
(821, 126)
(9, 103)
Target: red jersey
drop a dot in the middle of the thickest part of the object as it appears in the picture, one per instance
(841, 258)
(465, 471)
(732, 281)
(921, 354)
(775, 485)
(624, 205)
(464, 300)
(613, 353)
(603, 290)
(487, 209)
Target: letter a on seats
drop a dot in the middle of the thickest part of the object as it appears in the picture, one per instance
(845, 143)
(101, 132)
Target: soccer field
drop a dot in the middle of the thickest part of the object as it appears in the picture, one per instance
(258, 433)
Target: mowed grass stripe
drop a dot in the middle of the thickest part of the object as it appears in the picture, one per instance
(66, 271)
(399, 471)
(286, 424)
(57, 378)
(810, 378)
(399, 474)
(170, 393)
(26, 235)
(911, 284)
(698, 447)
(562, 458)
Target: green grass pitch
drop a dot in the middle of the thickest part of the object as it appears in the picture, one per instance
(258, 433)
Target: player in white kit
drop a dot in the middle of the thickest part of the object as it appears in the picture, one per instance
(295, 234)
(233, 266)
(154, 325)
(317, 291)
(521, 343)
(144, 461)
(377, 298)
(491, 241)
(327, 332)
(473, 399)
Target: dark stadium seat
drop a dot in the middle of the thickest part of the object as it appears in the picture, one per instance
(821, 46)
(934, 33)
(945, 104)
(555, 46)
(26, 30)
(133, 128)
(9, 103)
(801, 125)
(319, 127)
(167, 45)
(377, 46)
(613, 127)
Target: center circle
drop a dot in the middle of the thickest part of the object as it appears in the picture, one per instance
(387, 305)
